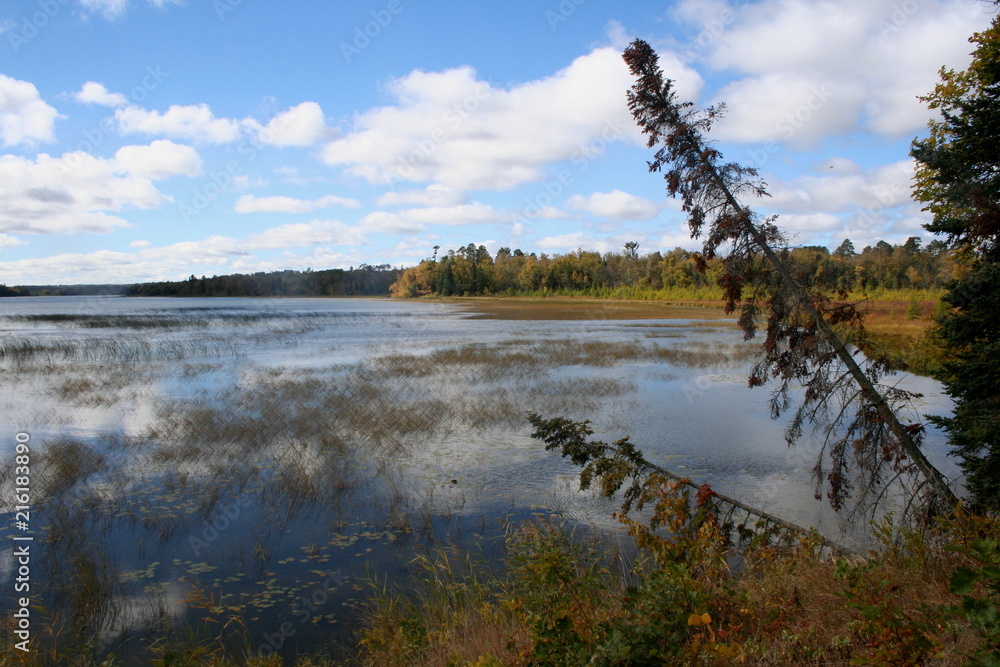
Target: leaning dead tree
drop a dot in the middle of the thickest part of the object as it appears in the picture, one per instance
(811, 341)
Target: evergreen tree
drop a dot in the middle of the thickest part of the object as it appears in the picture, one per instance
(801, 345)
(958, 177)
(846, 249)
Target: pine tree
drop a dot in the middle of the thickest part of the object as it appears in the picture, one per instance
(958, 177)
(866, 445)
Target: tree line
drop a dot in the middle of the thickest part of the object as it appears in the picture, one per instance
(364, 280)
(62, 290)
(471, 270)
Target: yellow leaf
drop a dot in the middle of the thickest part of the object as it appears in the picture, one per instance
(694, 619)
(705, 619)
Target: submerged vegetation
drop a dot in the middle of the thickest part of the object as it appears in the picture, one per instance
(349, 453)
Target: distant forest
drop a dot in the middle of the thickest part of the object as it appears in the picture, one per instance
(472, 271)
(62, 290)
(363, 281)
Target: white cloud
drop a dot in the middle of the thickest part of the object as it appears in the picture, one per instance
(24, 118)
(410, 221)
(107, 266)
(103, 266)
(315, 232)
(816, 68)
(456, 130)
(95, 93)
(252, 204)
(140, 244)
(575, 240)
(302, 125)
(113, 9)
(160, 159)
(615, 205)
(788, 107)
(193, 122)
(7, 241)
(813, 222)
(68, 194)
(875, 189)
(432, 195)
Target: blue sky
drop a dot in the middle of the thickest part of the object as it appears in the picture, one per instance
(155, 139)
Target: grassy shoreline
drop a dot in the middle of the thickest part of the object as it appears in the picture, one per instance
(904, 337)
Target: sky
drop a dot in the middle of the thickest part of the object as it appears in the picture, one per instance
(147, 140)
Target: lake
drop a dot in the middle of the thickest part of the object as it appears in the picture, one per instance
(270, 459)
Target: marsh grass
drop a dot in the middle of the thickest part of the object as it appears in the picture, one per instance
(86, 384)
(566, 600)
(26, 353)
(302, 441)
(177, 319)
(65, 463)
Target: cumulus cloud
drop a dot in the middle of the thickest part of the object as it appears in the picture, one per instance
(69, 194)
(317, 232)
(432, 195)
(25, 119)
(812, 69)
(615, 205)
(879, 188)
(457, 130)
(302, 125)
(787, 107)
(177, 260)
(813, 222)
(160, 159)
(413, 220)
(107, 266)
(7, 241)
(252, 204)
(575, 240)
(95, 93)
(192, 122)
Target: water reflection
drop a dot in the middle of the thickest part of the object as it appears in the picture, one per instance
(226, 457)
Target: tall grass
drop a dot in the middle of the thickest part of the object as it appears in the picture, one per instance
(569, 601)
(634, 292)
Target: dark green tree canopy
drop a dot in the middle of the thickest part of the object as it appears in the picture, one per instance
(958, 177)
(845, 249)
(958, 174)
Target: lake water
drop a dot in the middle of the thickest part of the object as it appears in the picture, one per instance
(267, 459)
